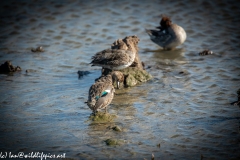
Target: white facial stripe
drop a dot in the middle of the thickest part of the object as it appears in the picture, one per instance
(107, 90)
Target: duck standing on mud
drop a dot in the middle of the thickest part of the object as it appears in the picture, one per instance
(101, 93)
(169, 35)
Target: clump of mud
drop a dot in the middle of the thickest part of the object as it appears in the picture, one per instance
(116, 128)
(38, 49)
(238, 101)
(134, 76)
(114, 142)
(101, 117)
(7, 67)
(82, 74)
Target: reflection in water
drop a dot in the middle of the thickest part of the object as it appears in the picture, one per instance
(177, 54)
(166, 58)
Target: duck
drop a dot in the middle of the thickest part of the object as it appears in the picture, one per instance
(117, 78)
(169, 35)
(114, 59)
(120, 56)
(101, 93)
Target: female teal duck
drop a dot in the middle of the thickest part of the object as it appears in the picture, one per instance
(119, 57)
(101, 93)
(169, 35)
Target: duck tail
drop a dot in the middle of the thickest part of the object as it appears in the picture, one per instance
(150, 31)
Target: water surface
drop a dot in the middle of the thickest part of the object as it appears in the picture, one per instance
(185, 108)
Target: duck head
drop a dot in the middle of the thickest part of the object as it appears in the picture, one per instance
(164, 23)
(117, 77)
(128, 43)
(132, 43)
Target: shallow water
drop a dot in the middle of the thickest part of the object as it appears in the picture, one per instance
(188, 114)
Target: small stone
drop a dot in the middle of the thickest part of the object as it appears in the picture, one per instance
(238, 101)
(38, 49)
(82, 73)
(117, 128)
(7, 67)
(113, 142)
(238, 91)
(152, 157)
(102, 117)
(18, 68)
(205, 52)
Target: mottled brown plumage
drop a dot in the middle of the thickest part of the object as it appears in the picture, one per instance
(102, 91)
(121, 55)
(115, 59)
(100, 94)
(129, 43)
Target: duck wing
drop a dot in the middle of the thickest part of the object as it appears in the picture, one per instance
(160, 37)
(96, 91)
(111, 57)
(104, 100)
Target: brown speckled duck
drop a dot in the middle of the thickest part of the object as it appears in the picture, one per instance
(117, 58)
(101, 93)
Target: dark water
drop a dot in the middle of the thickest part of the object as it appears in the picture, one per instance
(188, 114)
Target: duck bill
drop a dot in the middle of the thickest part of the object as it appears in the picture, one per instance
(118, 85)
